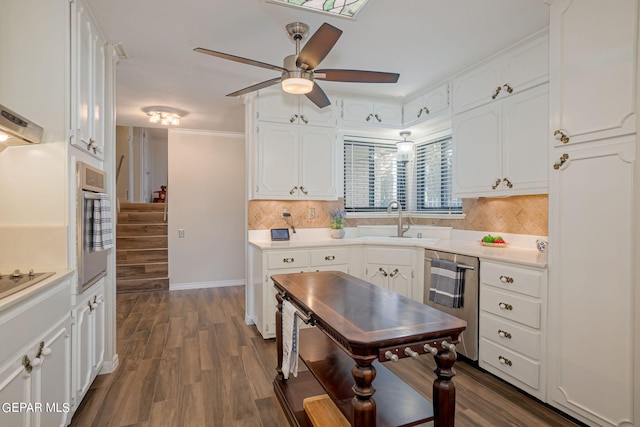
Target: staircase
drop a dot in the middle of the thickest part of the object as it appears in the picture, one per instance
(142, 256)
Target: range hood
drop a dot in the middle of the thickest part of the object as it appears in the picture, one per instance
(17, 130)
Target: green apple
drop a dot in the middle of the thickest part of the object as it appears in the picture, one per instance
(488, 239)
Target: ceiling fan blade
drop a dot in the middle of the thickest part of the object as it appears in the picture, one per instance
(239, 59)
(356, 76)
(255, 87)
(318, 97)
(318, 46)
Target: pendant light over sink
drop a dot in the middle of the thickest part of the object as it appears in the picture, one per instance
(404, 148)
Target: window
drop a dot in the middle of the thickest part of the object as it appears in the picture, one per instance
(373, 177)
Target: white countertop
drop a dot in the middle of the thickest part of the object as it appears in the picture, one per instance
(472, 247)
(27, 293)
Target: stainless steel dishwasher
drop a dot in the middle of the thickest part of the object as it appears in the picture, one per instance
(468, 345)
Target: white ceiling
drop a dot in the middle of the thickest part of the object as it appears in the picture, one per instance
(423, 40)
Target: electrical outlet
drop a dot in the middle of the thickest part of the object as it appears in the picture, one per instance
(285, 211)
(181, 233)
(312, 213)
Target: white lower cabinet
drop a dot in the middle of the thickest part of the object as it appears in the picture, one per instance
(392, 269)
(88, 340)
(35, 380)
(285, 262)
(513, 324)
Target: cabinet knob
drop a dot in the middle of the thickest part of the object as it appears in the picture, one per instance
(329, 258)
(504, 334)
(288, 260)
(507, 87)
(506, 279)
(496, 92)
(561, 135)
(563, 159)
(448, 346)
(496, 183)
(505, 306)
(508, 182)
(390, 356)
(504, 361)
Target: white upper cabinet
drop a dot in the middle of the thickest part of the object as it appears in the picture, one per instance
(593, 64)
(369, 112)
(295, 163)
(274, 105)
(510, 73)
(426, 106)
(88, 63)
(501, 148)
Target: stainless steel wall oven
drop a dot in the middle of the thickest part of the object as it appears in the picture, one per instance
(92, 264)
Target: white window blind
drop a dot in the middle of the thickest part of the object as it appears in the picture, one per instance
(372, 177)
(434, 177)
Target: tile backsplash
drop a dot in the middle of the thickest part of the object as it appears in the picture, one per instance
(517, 215)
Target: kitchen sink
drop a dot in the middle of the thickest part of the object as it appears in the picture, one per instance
(396, 239)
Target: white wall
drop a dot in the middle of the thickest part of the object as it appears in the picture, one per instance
(207, 200)
(158, 158)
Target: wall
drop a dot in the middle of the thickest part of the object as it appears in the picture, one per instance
(122, 152)
(157, 147)
(207, 184)
(517, 215)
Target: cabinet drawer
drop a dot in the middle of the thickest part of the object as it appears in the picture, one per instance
(511, 363)
(287, 259)
(514, 278)
(510, 335)
(329, 256)
(510, 306)
(388, 256)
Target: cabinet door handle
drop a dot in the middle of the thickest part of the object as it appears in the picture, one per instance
(377, 118)
(382, 272)
(288, 260)
(561, 135)
(394, 273)
(508, 88)
(304, 119)
(304, 190)
(508, 182)
(563, 159)
(505, 306)
(293, 190)
(504, 334)
(369, 117)
(504, 361)
(496, 183)
(506, 279)
(329, 258)
(496, 92)
(293, 118)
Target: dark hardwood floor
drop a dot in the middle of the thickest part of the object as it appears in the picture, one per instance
(188, 359)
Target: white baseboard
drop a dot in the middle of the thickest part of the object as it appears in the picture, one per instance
(248, 320)
(203, 285)
(110, 366)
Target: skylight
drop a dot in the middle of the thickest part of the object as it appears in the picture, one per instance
(343, 8)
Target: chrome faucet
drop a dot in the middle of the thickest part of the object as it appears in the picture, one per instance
(401, 229)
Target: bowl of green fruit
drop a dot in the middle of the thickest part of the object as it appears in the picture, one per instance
(493, 241)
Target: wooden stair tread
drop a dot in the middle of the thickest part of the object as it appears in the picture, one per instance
(323, 412)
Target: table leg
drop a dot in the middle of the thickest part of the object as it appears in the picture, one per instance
(444, 390)
(279, 374)
(363, 407)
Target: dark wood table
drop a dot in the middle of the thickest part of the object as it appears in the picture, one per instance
(359, 322)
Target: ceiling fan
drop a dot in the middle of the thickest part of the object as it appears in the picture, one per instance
(299, 71)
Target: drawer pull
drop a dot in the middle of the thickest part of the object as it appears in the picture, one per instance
(288, 260)
(394, 273)
(382, 272)
(504, 334)
(505, 306)
(506, 279)
(329, 258)
(411, 353)
(430, 349)
(505, 361)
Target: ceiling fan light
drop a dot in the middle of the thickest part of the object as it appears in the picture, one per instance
(297, 85)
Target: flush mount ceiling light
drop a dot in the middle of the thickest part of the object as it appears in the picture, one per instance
(404, 147)
(164, 115)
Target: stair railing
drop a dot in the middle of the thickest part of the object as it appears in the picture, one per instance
(166, 203)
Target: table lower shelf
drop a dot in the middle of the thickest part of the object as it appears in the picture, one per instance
(397, 404)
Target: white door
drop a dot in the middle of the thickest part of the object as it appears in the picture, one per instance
(277, 161)
(317, 163)
(83, 349)
(377, 274)
(400, 280)
(15, 386)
